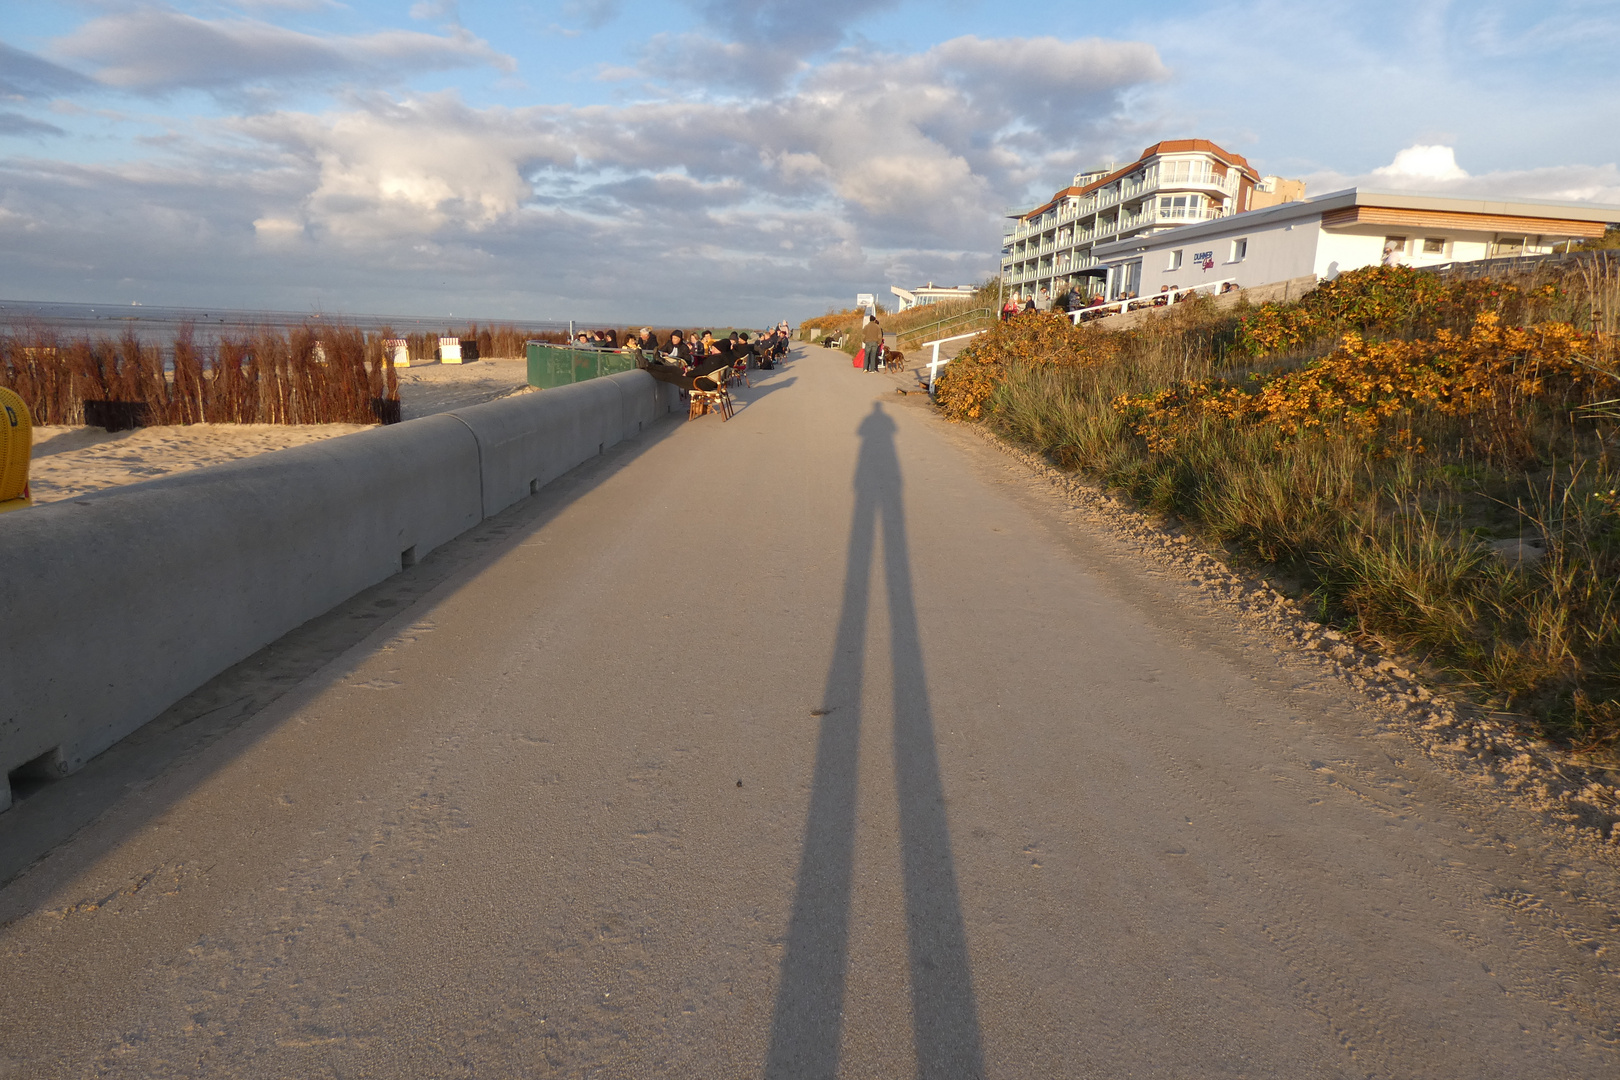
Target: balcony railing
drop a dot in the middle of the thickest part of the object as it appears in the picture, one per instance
(1157, 178)
(1190, 213)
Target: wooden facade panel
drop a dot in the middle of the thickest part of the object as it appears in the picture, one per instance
(1418, 220)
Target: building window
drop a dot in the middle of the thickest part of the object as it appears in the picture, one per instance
(1434, 245)
(1240, 250)
(1175, 261)
(1508, 245)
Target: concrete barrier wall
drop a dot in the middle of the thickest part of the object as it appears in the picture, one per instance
(116, 605)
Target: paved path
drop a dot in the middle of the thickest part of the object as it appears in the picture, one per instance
(816, 743)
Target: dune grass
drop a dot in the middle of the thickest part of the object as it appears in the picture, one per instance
(1429, 463)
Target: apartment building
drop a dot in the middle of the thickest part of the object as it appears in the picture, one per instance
(1323, 237)
(1172, 183)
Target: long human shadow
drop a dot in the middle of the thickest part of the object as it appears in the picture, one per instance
(808, 1017)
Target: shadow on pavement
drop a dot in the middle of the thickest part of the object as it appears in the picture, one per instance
(746, 397)
(43, 819)
(807, 1022)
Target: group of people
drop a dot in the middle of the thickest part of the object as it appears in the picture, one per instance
(1074, 300)
(1042, 300)
(596, 339)
(699, 353)
(696, 352)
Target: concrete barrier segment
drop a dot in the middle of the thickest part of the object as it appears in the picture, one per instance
(645, 398)
(526, 442)
(122, 602)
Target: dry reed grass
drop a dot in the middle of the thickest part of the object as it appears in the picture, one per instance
(309, 375)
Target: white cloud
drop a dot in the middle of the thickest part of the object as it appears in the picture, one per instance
(594, 14)
(872, 165)
(790, 26)
(158, 49)
(24, 75)
(1435, 169)
(17, 124)
(1423, 165)
(402, 169)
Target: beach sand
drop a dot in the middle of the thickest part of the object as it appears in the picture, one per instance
(72, 461)
(437, 388)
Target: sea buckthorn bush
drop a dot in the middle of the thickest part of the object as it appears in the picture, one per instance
(1429, 460)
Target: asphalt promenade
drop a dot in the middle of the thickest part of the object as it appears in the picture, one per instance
(817, 743)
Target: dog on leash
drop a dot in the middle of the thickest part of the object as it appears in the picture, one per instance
(894, 361)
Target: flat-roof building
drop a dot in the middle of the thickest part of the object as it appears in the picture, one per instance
(1173, 183)
(930, 293)
(1327, 235)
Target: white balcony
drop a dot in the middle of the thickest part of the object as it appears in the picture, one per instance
(1158, 178)
(1190, 213)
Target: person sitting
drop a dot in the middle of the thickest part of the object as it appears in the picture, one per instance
(611, 338)
(649, 340)
(710, 351)
(679, 353)
(582, 340)
(632, 349)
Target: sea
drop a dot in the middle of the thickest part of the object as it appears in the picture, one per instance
(158, 325)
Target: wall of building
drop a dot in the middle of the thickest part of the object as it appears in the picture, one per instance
(120, 603)
(1275, 253)
(1339, 250)
(1283, 251)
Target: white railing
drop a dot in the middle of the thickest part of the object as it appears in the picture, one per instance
(1136, 303)
(935, 363)
(1120, 191)
(1189, 213)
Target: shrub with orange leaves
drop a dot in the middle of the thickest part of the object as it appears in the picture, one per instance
(1032, 339)
(1384, 301)
(1488, 376)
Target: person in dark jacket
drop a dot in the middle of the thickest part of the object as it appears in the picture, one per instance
(678, 353)
(872, 338)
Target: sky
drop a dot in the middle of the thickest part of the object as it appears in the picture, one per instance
(722, 161)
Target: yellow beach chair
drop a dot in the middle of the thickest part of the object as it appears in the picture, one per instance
(16, 446)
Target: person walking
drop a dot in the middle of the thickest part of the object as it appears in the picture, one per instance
(872, 337)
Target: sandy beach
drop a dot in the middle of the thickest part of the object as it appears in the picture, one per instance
(436, 388)
(72, 461)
